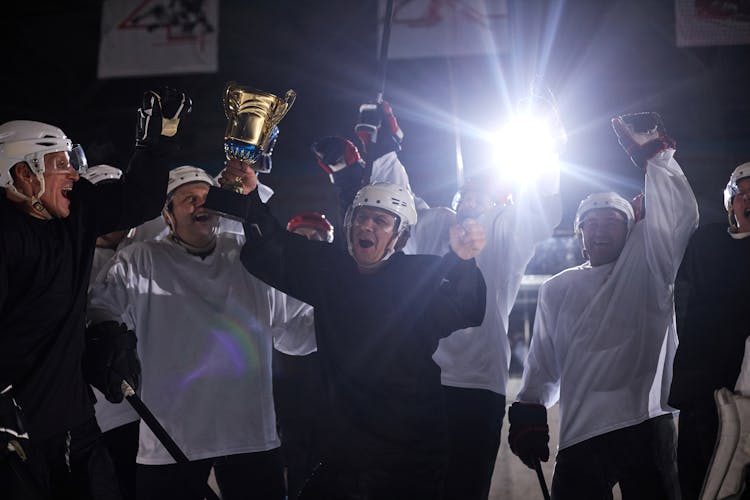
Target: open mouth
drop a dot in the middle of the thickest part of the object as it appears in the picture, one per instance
(366, 243)
(202, 217)
(66, 192)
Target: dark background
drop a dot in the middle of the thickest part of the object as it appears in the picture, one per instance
(601, 58)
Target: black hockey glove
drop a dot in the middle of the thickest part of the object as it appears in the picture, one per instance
(13, 436)
(378, 129)
(528, 435)
(335, 155)
(110, 357)
(159, 116)
(642, 136)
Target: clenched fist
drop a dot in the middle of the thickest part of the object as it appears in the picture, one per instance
(467, 239)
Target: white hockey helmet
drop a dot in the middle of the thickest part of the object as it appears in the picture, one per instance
(741, 172)
(187, 174)
(28, 141)
(392, 198)
(99, 173)
(604, 200)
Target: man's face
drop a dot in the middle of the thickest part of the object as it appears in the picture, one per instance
(604, 231)
(192, 223)
(741, 205)
(310, 233)
(473, 204)
(111, 240)
(59, 176)
(372, 233)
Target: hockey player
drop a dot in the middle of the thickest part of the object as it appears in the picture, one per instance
(604, 337)
(50, 222)
(474, 362)
(205, 329)
(379, 315)
(712, 328)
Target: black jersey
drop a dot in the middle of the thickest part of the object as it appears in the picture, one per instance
(376, 334)
(44, 276)
(711, 302)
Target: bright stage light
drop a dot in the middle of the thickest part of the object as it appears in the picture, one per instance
(526, 148)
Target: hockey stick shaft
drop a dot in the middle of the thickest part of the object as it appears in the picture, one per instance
(159, 431)
(542, 481)
(384, 43)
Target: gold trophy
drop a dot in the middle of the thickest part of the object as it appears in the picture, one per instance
(252, 119)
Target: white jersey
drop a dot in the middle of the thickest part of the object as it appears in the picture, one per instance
(205, 329)
(479, 357)
(604, 337)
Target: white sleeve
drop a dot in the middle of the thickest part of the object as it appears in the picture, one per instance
(293, 326)
(388, 168)
(541, 374)
(671, 215)
(109, 296)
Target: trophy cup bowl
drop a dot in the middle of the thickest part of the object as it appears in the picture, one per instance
(252, 127)
(252, 119)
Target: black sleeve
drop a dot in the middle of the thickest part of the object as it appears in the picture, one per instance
(348, 181)
(462, 295)
(137, 198)
(283, 260)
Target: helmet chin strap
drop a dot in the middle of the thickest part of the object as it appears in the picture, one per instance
(34, 201)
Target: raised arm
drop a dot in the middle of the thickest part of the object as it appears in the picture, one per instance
(140, 195)
(671, 209)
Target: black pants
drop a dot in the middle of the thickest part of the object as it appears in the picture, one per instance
(696, 439)
(300, 413)
(247, 475)
(404, 483)
(475, 418)
(640, 458)
(122, 444)
(74, 464)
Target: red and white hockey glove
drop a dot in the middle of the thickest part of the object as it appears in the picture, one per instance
(642, 136)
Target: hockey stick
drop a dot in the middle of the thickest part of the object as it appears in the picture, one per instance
(382, 72)
(160, 432)
(27, 481)
(384, 43)
(540, 477)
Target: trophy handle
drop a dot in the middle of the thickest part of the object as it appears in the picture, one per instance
(284, 106)
(227, 99)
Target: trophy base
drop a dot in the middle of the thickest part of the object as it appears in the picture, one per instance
(227, 203)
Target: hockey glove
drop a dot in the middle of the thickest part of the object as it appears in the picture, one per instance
(335, 154)
(160, 115)
(109, 358)
(528, 435)
(642, 136)
(13, 435)
(378, 129)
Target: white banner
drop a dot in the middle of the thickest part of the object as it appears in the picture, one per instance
(436, 28)
(710, 22)
(157, 37)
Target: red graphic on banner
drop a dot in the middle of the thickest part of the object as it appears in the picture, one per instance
(181, 20)
(435, 13)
